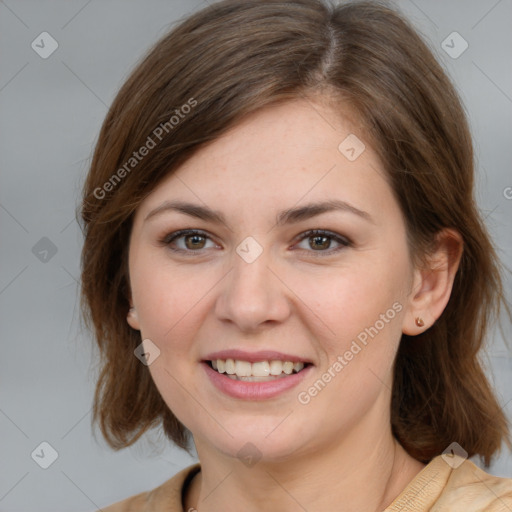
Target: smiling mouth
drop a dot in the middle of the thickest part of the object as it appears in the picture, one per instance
(260, 371)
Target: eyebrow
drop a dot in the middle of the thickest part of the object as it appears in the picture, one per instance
(289, 216)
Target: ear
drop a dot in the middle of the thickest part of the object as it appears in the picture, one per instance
(432, 284)
(132, 318)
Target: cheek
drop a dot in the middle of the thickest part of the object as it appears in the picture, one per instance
(363, 307)
(357, 298)
(170, 301)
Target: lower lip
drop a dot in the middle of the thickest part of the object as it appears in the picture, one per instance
(254, 390)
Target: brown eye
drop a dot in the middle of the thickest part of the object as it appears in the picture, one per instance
(319, 242)
(194, 241)
(188, 241)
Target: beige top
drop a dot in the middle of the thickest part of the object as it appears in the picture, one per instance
(438, 487)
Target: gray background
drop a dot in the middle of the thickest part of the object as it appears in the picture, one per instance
(51, 111)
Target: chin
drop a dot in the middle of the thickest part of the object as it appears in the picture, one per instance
(266, 439)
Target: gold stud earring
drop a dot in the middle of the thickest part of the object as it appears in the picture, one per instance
(420, 322)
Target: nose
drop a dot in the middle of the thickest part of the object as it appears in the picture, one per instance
(252, 295)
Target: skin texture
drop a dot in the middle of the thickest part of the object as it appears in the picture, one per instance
(338, 448)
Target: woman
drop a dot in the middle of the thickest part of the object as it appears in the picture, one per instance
(284, 263)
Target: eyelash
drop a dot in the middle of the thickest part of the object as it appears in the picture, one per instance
(343, 241)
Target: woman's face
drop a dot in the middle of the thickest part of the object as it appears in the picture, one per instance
(257, 285)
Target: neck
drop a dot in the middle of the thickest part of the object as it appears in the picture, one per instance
(363, 473)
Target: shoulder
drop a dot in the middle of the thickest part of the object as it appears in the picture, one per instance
(470, 488)
(164, 498)
(456, 485)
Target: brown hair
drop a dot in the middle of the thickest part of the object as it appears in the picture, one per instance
(231, 59)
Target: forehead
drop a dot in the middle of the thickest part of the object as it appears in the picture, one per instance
(287, 133)
(281, 154)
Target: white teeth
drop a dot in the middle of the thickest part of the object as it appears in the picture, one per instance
(261, 369)
(288, 367)
(276, 367)
(230, 366)
(243, 368)
(256, 371)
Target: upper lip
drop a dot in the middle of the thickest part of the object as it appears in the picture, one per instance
(254, 357)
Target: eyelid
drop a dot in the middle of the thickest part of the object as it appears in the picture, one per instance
(324, 232)
(167, 239)
(342, 240)
(181, 233)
